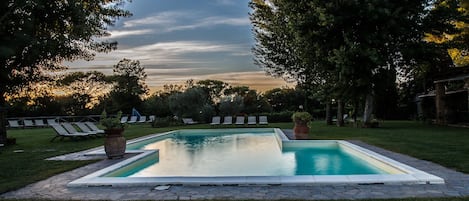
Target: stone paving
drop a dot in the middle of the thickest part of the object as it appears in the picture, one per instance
(457, 185)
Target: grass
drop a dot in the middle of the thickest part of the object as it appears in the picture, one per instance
(444, 145)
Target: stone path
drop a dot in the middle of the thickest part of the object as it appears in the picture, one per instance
(457, 184)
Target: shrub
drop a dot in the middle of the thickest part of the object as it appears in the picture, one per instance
(165, 122)
(301, 117)
(277, 117)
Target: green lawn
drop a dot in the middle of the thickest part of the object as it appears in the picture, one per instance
(444, 145)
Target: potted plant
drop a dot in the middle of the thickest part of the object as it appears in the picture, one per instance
(301, 129)
(114, 143)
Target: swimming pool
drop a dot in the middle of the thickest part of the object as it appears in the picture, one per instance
(247, 157)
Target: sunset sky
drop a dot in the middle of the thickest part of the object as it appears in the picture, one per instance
(177, 40)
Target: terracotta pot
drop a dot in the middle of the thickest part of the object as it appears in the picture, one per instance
(301, 130)
(114, 143)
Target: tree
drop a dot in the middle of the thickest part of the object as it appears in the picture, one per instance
(342, 45)
(252, 101)
(157, 104)
(446, 35)
(213, 88)
(35, 36)
(129, 78)
(231, 105)
(286, 99)
(84, 90)
(190, 103)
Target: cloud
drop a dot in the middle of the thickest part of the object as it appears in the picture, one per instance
(226, 2)
(184, 47)
(175, 52)
(162, 18)
(212, 21)
(124, 33)
(257, 80)
(172, 53)
(170, 21)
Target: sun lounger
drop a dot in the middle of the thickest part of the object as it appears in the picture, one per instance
(240, 120)
(344, 117)
(151, 118)
(227, 120)
(216, 120)
(252, 120)
(142, 119)
(133, 119)
(61, 132)
(28, 123)
(124, 119)
(188, 121)
(14, 124)
(93, 127)
(52, 122)
(39, 123)
(71, 130)
(263, 120)
(85, 129)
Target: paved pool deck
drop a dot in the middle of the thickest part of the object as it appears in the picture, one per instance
(54, 188)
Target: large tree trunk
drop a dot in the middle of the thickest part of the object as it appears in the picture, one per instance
(440, 103)
(368, 109)
(340, 113)
(328, 113)
(467, 88)
(3, 111)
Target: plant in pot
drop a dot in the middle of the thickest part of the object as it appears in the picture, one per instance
(114, 143)
(301, 129)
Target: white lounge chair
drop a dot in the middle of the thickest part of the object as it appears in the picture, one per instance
(227, 120)
(124, 119)
(240, 120)
(252, 120)
(71, 130)
(93, 127)
(61, 132)
(39, 123)
(216, 120)
(188, 121)
(52, 122)
(142, 119)
(133, 119)
(263, 120)
(151, 118)
(14, 124)
(85, 129)
(344, 117)
(28, 123)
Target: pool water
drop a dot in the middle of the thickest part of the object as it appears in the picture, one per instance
(207, 154)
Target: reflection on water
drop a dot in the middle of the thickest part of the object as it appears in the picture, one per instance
(245, 155)
(328, 161)
(222, 155)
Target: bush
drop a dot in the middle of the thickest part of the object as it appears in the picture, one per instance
(166, 122)
(301, 117)
(277, 117)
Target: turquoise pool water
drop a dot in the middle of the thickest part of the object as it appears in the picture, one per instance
(240, 153)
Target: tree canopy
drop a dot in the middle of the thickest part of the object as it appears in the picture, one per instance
(341, 48)
(36, 36)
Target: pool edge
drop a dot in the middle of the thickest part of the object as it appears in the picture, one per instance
(414, 175)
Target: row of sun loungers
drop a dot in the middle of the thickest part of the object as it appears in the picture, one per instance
(31, 123)
(136, 119)
(34, 123)
(240, 120)
(87, 129)
(228, 120)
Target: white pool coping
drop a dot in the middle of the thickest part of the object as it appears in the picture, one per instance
(402, 174)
